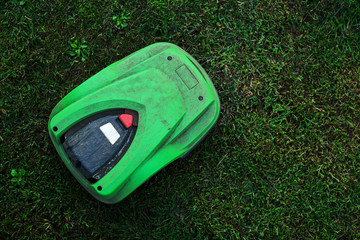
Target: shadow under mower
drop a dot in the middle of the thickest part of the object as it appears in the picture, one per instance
(127, 122)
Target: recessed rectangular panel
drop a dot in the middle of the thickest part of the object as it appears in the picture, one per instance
(186, 75)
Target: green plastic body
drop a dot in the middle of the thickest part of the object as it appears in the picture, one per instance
(176, 102)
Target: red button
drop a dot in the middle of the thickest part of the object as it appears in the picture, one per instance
(126, 119)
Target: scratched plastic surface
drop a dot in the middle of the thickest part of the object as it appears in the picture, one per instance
(89, 148)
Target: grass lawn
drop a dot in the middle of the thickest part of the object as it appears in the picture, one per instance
(282, 163)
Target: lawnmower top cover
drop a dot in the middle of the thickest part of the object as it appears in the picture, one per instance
(127, 122)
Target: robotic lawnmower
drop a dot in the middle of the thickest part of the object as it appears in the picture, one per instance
(133, 118)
